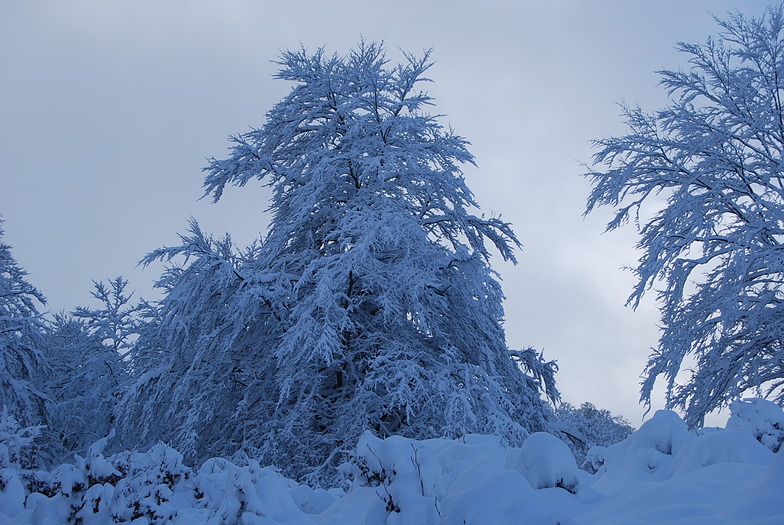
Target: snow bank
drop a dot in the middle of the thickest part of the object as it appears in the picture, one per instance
(646, 455)
(660, 474)
(443, 481)
(727, 446)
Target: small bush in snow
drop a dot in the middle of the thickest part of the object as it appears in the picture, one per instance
(544, 461)
(763, 418)
(646, 454)
(16, 442)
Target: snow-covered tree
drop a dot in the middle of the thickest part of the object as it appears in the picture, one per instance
(203, 366)
(17, 445)
(704, 177)
(587, 426)
(118, 321)
(85, 382)
(87, 374)
(21, 365)
(369, 305)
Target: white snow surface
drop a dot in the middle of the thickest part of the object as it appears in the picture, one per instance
(661, 474)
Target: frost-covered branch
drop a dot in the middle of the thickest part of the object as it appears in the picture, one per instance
(709, 168)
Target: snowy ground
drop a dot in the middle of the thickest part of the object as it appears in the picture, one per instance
(660, 474)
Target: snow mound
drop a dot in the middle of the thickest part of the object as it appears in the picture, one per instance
(544, 461)
(711, 448)
(645, 455)
(440, 481)
(660, 474)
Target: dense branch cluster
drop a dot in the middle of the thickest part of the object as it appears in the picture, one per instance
(710, 167)
(370, 304)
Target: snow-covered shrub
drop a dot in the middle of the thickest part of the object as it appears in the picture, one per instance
(154, 487)
(12, 493)
(444, 481)
(149, 480)
(764, 419)
(754, 431)
(404, 473)
(544, 461)
(16, 442)
(15, 445)
(119, 488)
(227, 493)
(16, 457)
(98, 489)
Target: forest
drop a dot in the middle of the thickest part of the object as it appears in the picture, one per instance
(351, 366)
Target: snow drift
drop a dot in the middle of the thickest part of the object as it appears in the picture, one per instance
(661, 474)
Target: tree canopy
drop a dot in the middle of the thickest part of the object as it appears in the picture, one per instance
(703, 178)
(21, 364)
(370, 303)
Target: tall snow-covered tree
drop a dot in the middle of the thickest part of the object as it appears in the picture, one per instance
(84, 383)
(24, 400)
(370, 304)
(21, 364)
(705, 178)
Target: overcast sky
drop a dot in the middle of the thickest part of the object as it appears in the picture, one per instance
(108, 110)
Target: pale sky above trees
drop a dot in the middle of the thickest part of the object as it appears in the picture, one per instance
(108, 112)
